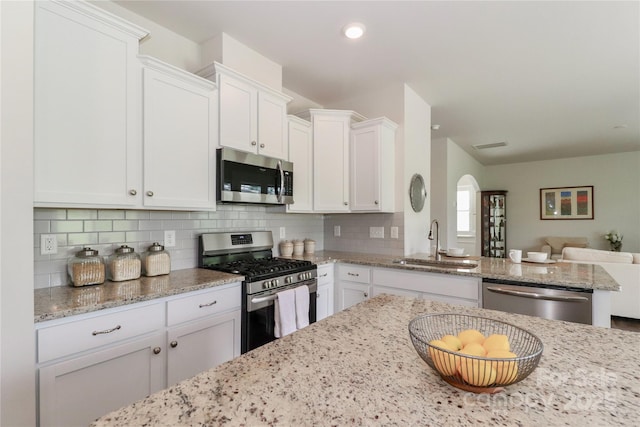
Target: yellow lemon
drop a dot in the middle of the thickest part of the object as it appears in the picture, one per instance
(470, 335)
(506, 371)
(474, 349)
(453, 341)
(477, 372)
(496, 342)
(444, 362)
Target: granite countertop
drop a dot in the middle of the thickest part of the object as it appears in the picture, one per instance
(358, 367)
(63, 301)
(565, 274)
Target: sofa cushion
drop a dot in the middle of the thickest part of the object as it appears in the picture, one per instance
(559, 243)
(596, 255)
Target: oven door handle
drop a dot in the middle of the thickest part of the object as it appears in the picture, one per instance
(263, 299)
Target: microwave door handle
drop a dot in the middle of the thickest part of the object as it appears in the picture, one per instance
(281, 189)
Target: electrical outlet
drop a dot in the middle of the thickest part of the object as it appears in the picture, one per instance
(169, 238)
(336, 231)
(376, 232)
(394, 232)
(283, 232)
(48, 244)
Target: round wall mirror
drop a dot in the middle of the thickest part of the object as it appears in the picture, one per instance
(417, 192)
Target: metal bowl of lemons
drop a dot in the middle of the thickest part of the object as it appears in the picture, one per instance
(475, 353)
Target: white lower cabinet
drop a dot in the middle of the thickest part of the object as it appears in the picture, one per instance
(353, 285)
(91, 364)
(77, 391)
(324, 295)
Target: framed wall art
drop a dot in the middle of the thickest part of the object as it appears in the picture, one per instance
(566, 203)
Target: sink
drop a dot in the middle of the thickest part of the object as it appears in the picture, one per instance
(434, 263)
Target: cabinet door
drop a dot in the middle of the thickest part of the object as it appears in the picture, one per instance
(324, 306)
(353, 293)
(179, 154)
(272, 126)
(238, 114)
(77, 391)
(365, 169)
(202, 345)
(300, 153)
(87, 97)
(330, 164)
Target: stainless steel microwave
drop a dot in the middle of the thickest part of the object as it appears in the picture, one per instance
(253, 178)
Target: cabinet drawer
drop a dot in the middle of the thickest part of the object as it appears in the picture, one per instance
(203, 303)
(325, 274)
(93, 332)
(433, 283)
(352, 273)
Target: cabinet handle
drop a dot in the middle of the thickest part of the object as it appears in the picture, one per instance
(133, 192)
(376, 202)
(366, 295)
(208, 305)
(157, 350)
(254, 143)
(173, 344)
(261, 145)
(324, 275)
(353, 274)
(150, 193)
(106, 331)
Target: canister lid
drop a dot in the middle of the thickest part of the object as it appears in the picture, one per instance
(156, 247)
(124, 249)
(86, 252)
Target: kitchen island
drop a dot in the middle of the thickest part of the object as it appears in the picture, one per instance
(359, 367)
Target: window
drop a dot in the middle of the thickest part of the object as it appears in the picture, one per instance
(466, 211)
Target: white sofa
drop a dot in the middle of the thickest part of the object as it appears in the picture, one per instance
(624, 267)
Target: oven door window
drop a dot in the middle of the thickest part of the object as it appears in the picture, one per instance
(242, 178)
(259, 324)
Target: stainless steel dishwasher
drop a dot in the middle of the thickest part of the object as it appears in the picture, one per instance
(549, 302)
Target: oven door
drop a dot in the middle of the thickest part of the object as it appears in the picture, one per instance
(258, 315)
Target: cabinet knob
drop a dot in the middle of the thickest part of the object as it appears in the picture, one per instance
(150, 193)
(254, 143)
(157, 350)
(133, 192)
(376, 202)
(173, 344)
(366, 295)
(261, 145)
(345, 203)
(317, 295)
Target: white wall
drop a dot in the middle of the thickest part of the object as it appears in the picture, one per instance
(417, 159)
(17, 339)
(616, 181)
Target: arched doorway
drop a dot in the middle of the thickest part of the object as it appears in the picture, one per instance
(466, 218)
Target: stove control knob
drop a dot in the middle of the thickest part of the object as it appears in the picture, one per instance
(276, 282)
(265, 284)
(288, 280)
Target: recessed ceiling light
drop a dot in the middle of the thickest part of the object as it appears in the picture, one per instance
(355, 30)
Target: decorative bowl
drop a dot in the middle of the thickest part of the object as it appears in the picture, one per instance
(537, 256)
(475, 373)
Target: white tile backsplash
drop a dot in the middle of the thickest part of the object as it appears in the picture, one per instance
(105, 230)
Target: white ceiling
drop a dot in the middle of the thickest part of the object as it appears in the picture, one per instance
(553, 79)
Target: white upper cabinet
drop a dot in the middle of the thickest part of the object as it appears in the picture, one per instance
(179, 138)
(301, 154)
(331, 132)
(87, 102)
(253, 117)
(373, 165)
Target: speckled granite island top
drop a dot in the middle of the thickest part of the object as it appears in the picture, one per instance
(359, 367)
(63, 301)
(574, 275)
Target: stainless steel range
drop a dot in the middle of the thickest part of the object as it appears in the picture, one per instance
(250, 254)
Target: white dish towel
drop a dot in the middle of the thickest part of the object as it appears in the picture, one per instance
(302, 306)
(285, 313)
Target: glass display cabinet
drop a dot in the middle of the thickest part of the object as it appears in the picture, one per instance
(494, 223)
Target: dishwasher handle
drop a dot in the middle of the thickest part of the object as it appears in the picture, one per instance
(536, 295)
